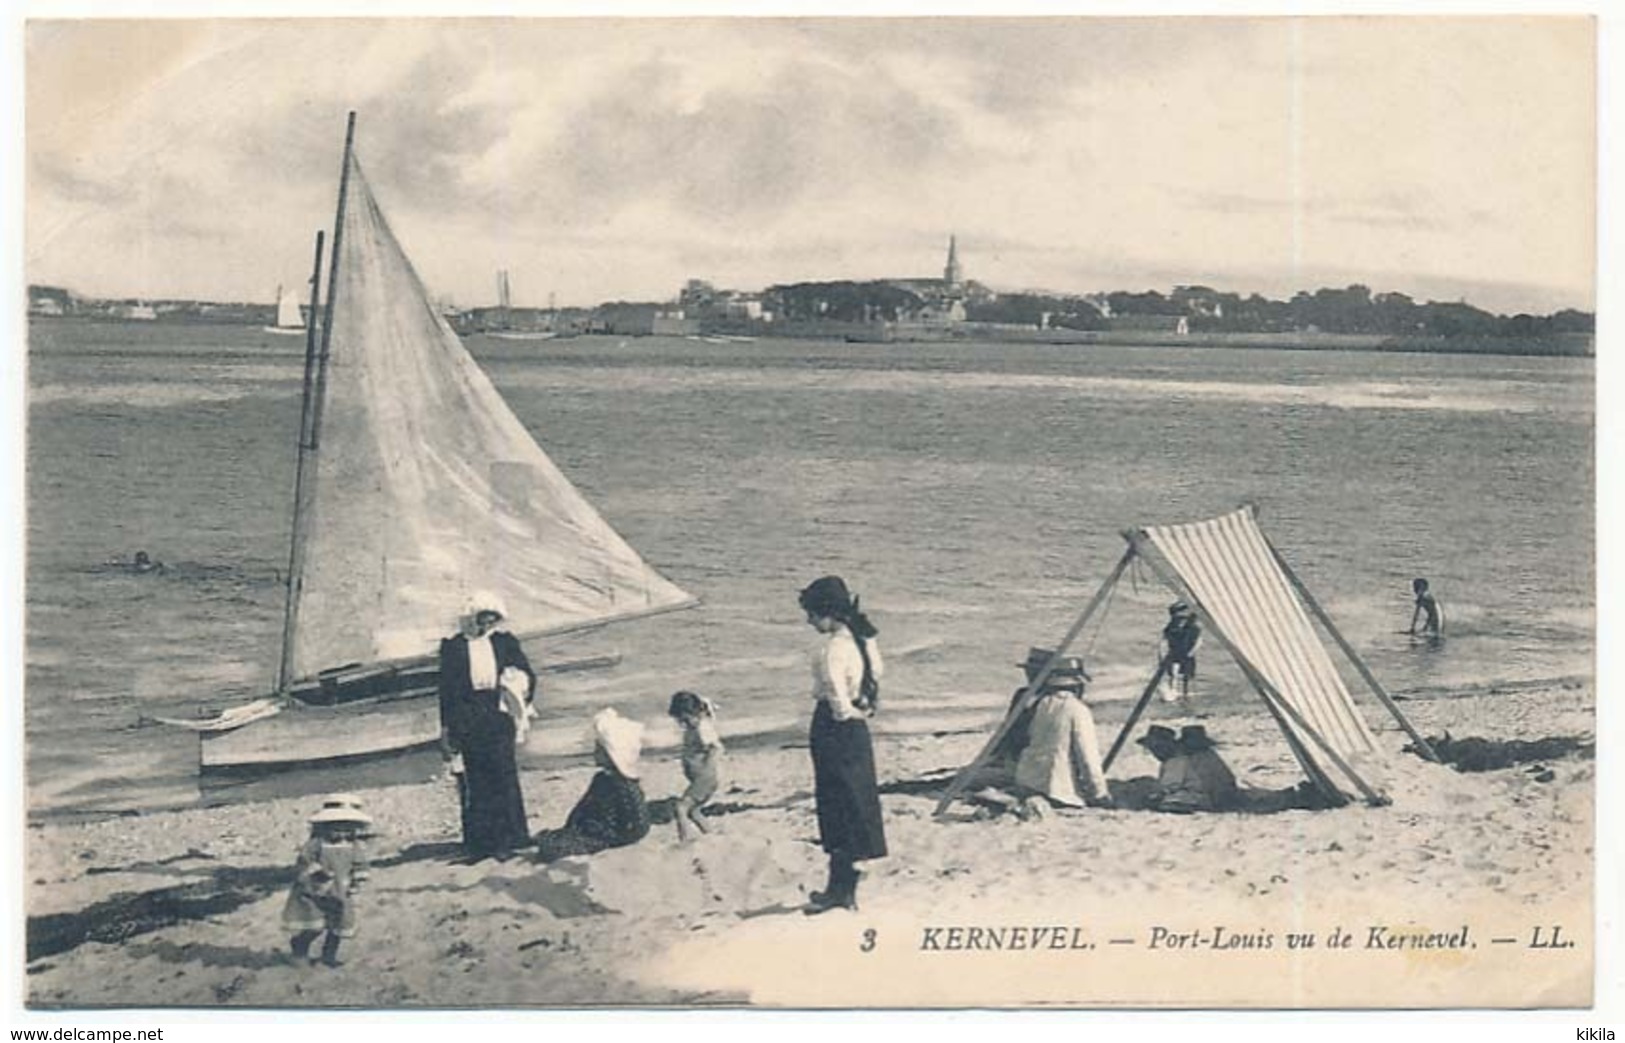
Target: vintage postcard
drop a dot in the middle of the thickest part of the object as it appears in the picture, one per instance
(810, 512)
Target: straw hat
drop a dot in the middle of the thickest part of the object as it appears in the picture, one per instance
(621, 740)
(1068, 670)
(341, 814)
(342, 800)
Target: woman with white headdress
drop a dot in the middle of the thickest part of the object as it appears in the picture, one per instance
(482, 672)
(613, 812)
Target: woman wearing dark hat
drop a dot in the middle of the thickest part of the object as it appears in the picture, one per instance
(846, 669)
(474, 725)
(1191, 776)
(1178, 789)
(1217, 781)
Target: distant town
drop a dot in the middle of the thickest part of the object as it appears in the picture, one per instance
(951, 307)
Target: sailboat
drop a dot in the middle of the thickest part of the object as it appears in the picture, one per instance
(288, 318)
(416, 486)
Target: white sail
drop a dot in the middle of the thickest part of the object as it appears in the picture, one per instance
(287, 310)
(426, 487)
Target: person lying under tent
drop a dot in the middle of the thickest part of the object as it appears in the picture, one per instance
(1192, 776)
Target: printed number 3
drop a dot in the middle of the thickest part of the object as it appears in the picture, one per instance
(868, 943)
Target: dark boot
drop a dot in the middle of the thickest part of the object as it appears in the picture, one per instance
(330, 950)
(300, 944)
(839, 893)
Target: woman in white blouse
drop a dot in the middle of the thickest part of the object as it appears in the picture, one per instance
(846, 670)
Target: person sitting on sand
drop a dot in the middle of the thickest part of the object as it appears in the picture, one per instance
(998, 770)
(612, 813)
(1427, 611)
(702, 757)
(1191, 776)
(1061, 760)
(331, 867)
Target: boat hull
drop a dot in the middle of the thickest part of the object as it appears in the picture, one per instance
(309, 736)
(343, 717)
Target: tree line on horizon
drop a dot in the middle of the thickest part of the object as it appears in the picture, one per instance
(1352, 309)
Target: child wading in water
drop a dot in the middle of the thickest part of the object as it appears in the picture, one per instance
(332, 866)
(1427, 611)
(702, 757)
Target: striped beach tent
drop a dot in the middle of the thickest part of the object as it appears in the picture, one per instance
(1252, 603)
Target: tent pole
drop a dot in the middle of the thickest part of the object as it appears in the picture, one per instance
(1270, 692)
(1272, 697)
(1036, 686)
(1134, 714)
(1353, 656)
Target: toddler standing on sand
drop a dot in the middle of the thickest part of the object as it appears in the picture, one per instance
(332, 866)
(702, 757)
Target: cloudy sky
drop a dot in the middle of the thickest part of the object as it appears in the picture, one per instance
(594, 160)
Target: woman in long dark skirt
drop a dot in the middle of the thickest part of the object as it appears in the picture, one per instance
(474, 725)
(846, 671)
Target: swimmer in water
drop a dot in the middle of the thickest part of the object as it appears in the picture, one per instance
(143, 563)
(1427, 612)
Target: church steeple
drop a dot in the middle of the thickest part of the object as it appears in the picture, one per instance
(950, 272)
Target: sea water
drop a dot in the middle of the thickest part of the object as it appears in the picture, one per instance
(973, 494)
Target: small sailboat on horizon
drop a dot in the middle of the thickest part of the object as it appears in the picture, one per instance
(289, 319)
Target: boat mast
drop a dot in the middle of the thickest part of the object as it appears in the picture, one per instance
(310, 424)
(290, 609)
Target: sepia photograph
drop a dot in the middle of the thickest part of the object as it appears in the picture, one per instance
(808, 512)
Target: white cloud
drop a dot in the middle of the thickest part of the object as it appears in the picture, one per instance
(610, 159)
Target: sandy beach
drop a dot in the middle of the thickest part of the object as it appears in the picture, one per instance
(183, 908)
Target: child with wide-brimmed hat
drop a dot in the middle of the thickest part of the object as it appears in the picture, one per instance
(331, 867)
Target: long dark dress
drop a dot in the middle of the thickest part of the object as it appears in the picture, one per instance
(493, 803)
(612, 813)
(848, 799)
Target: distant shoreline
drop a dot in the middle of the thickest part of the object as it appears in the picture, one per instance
(1568, 345)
